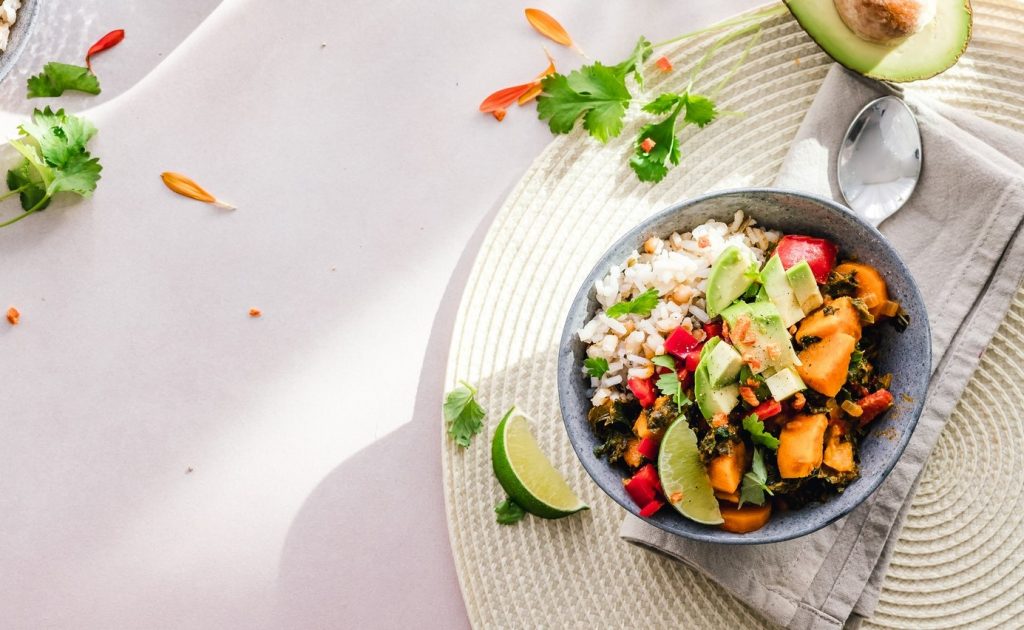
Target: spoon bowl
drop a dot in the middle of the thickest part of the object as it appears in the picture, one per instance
(879, 160)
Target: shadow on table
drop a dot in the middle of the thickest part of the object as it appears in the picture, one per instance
(378, 514)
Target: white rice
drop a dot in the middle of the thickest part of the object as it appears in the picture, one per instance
(8, 14)
(678, 268)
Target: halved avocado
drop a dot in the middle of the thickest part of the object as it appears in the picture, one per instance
(933, 49)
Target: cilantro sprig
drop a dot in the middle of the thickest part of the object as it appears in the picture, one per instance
(509, 512)
(650, 164)
(753, 425)
(596, 366)
(641, 305)
(755, 482)
(669, 383)
(57, 77)
(55, 160)
(463, 414)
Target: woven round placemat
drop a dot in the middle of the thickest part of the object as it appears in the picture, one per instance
(960, 559)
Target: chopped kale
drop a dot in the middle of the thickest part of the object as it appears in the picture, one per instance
(841, 284)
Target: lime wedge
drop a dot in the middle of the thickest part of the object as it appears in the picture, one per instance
(525, 472)
(683, 476)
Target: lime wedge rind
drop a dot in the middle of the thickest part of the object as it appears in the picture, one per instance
(684, 477)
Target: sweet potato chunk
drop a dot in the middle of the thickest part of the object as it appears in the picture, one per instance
(731, 497)
(800, 446)
(632, 456)
(825, 364)
(839, 315)
(871, 287)
(726, 471)
(838, 450)
(745, 519)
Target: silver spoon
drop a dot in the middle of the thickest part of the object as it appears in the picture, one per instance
(879, 160)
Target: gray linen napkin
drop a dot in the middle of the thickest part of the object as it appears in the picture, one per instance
(959, 235)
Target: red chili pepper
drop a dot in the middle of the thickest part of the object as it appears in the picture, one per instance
(651, 508)
(108, 41)
(692, 360)
(643, 389)
(644, 486)
(680, 342)
(713, 329)
(648, 447)
(768, 408)
(873, 405)
(819, 253)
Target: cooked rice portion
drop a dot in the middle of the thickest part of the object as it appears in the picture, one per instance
(8, 14)
(678, 267)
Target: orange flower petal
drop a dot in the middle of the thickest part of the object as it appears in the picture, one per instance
(499, 114)
(551, 66)
(187, 187)
(505, 97)
(531, 94)
(548, 27)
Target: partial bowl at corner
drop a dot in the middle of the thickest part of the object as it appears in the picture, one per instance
(907, 355)
(19, 36)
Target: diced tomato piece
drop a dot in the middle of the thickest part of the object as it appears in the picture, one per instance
(768, 408)
(647, 145)
(685, 378)
(680, 342)
(713, 329)
(651, 508)
(873, 405)
(692, 360)
(643, 389)
(648, 447)
(644, 486)
(819, 253)
(664, 64)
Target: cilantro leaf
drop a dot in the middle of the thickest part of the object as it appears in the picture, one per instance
(509, 512)
(663, 104)
(596, 93)
(669, 385)
(641, 52)
(26, 180)
(700, 110)
(463, 414)
(665, 361)
(596, 366)
(649, 166)
(753, 425)
(755, 482)
(641, 305)
(57, 77)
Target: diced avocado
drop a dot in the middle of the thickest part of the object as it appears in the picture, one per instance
(724, 365)
(710, 400)
(784, 383)
(709, 347)
(728, 279)
(920, 55)
(804, 286)
(776, 285)
(758, 333)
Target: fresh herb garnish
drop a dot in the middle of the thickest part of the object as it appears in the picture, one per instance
(463, 414)
(753, 425)
(863, 311)
(53, 145)
(57, 77)
(669, 385)
(641, 305)
(509, 512)
(597, 93)
(665, 361)
(858, 367)
(596, 366)
(755, 482)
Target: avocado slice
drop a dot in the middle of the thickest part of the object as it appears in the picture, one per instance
(784, 383)
(765, 343)
(779, 291)
(924, 54)
(712, 400)
(805, 287)
(728, 279)
(724, 365)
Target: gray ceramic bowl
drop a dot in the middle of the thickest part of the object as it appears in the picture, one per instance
(906, 355)
(20, 33)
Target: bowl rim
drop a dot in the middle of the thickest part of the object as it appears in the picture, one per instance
(27, 19)
(590, 464)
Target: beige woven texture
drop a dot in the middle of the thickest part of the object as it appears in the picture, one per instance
(960, 559)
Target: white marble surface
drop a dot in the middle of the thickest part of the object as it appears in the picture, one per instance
(365, 180)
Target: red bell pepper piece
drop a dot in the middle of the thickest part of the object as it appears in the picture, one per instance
(768, 408)
(819, 253)
(680, 342)
(873, 405)
(692, 361)
(713, 329)
(643, 389)
(648, 447)
(650, 509)
(644, 486)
